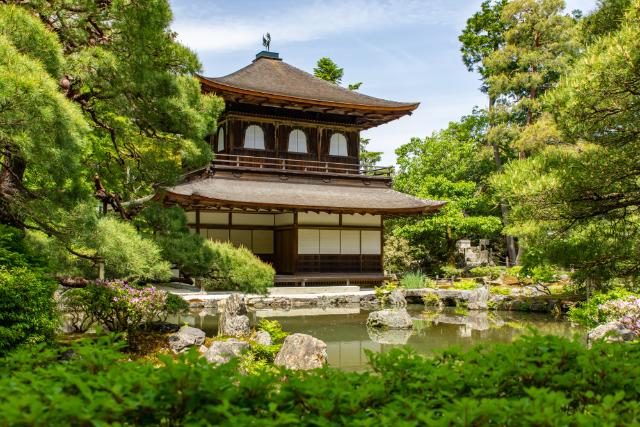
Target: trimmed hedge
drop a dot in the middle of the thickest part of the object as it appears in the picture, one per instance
(238, 269)
(28, 312)
(534, 381)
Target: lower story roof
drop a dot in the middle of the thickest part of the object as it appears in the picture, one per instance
(230, 192)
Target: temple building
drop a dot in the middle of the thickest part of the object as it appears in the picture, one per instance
(287, 181)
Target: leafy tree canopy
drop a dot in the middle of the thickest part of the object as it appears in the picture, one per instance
(451, 165)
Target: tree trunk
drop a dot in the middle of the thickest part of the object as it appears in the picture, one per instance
(504, 210)
(11, 185)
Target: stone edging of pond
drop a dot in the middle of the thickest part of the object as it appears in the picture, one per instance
(477, 299)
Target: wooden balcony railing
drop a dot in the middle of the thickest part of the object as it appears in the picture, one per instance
(313, 166)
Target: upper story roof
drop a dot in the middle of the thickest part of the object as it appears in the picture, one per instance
(272, 82)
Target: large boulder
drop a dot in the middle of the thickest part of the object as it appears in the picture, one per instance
(396, 299)
(478, 299)
(186, 337)
(223, 351)
(390, 319)
(301, 352)
(233, 318)
(263, 338)
(611, 332)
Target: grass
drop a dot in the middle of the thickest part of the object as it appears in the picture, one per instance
(413, 280)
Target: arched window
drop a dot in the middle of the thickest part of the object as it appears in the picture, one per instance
(221, 139)
(254, 138)
(297, 141)
(338, 145)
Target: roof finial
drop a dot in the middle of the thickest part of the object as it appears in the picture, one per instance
(266, 41)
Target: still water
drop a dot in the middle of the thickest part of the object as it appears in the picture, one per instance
(346, 335)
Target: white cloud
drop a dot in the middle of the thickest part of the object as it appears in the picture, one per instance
(308, 20)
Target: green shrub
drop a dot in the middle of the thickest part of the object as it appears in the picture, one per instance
(499, 290)
(450, 271)
(274, 328)
(490, 272)
(588, 313)
(399, 256)
(534, 381)
(413, 280)
(238, 269)
(15, 250)
(432, 300)
(465, 285)
(28, 312)
(189, 252)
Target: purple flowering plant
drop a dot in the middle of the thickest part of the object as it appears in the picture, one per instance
(120, 306)
(625, 310)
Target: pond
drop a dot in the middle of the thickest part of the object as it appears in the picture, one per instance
(347, 337)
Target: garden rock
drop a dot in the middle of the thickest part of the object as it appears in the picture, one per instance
(185, 338)
(390, 319)
(302, 352)
(478, 299)
(611, 332)
(224, 351)
(396, 299)
(263, 338)
(233, 318)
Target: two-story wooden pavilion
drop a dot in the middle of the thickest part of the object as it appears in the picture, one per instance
(287, 181)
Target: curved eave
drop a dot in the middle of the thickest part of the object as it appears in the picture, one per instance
(215, 203)
(404, 108)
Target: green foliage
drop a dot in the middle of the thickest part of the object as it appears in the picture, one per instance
(399, 255)
(414, 280)
(28, 312)
(575, 204)
(450, 271)
(604, 20)
(238, 269)
(382, 292)
(432, 300)
(15, 250)
(588, 313)
(119, 306)
(274, 328)
(490, 272)
(31, 38)
(483, 35)
(450, 165)
(536, 380)
(328, 70)
(41, 131)
(126, 253)
(499, 290)
(465, 285)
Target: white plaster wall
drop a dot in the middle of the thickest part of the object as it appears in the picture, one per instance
(329, 241)
(350, 242)
(365, 220)
(217, 218)
(321, 218)
(252, 219)
(308, 241)
(371, 242)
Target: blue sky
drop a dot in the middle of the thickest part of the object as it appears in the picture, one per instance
(404, 50)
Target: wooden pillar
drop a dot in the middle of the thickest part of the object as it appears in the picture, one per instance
(198, 221)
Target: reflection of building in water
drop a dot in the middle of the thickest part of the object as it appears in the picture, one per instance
(350, 355)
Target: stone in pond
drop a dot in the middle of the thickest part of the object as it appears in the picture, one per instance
(396, 299)
(185, 338)
(233, 319)
(302, 352)
(223, 351)
(390, 319)
(263, 338)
